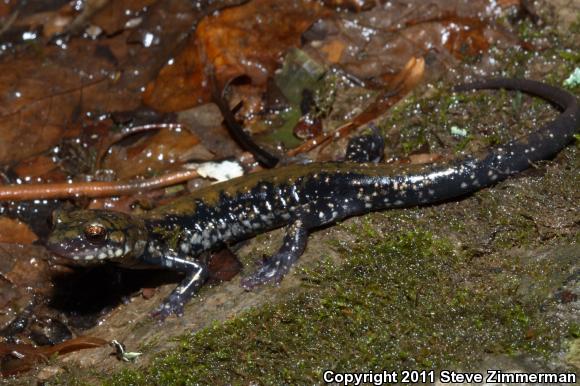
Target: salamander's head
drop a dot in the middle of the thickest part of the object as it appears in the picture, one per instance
(86, 237)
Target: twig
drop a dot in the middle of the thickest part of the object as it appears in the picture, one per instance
(92, 189)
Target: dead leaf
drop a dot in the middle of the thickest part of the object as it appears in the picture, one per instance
(223, 265)
(15, 232)
(40, 102)
(114, 16)
(24, 274)
(376, 44)
(32, 355)
(354, 5)
(164, 149)
(246, 40)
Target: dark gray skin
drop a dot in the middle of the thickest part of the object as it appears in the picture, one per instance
(300, 197)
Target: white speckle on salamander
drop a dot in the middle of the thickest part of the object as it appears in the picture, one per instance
(296, 196)
(140, 244)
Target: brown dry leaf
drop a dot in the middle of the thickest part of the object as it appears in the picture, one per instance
(50, 22)
(163, 32)
(32, 355)
(38, 166)
(5, 10)
(205, 121)
(377, 44)
(156, 153)
(354, 5)
(509, 3)
(46, 89)
(403, 82)
(24, 274)
(245, 40)
(43, 95)
(25, 265)
(113, 17)
(224, 265)
(15, 232)
(333, 50)
(409, 76)
(180, 83)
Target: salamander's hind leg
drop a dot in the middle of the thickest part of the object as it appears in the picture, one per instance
(366, 148)
(196, 274)
(278, 265)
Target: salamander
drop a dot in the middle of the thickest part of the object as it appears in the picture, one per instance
(301, 197)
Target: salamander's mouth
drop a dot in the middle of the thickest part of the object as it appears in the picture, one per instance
(75, 253)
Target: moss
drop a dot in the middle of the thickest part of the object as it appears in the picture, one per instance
(399, 301)
(574, 330)
(489, 118)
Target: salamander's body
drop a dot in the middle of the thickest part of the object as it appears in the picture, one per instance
(299, 197)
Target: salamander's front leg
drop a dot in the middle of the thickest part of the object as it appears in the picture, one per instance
(196, 273)
(277, 266)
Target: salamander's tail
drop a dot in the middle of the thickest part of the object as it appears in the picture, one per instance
(551, 137)
(558, 96)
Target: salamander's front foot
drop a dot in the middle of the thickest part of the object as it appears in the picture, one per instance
(195, 277)
(171, 305)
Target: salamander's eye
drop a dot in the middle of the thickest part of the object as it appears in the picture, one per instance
(95, 233)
